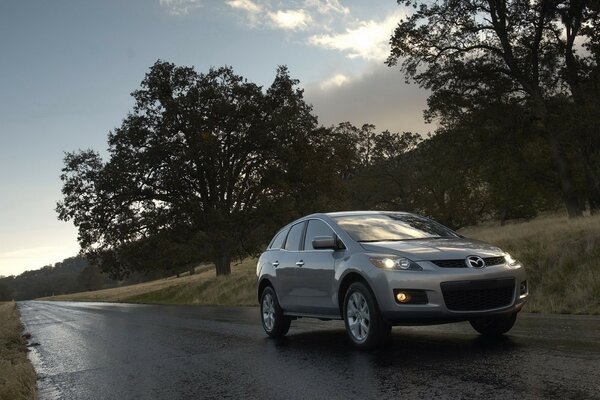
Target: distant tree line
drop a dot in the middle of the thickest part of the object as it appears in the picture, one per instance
(208, 165)
(71, 275)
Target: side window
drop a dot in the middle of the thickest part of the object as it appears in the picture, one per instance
(277, 241)
(294, 237)
(316, 227)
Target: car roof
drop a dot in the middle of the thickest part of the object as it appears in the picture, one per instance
(351, 213)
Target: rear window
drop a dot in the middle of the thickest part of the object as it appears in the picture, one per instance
(392, 227)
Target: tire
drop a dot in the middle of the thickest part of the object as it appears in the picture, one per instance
(274, 322)
(494, 326)
(364, 324)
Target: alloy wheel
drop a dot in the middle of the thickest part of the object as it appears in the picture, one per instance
(358, 316)
(268, 311)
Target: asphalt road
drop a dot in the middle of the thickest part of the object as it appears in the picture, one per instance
(125, 351)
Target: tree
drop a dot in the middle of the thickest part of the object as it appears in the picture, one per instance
(5, 291)
(205, 167)
(475, 52)
(190, 158)
(90, 278)
(376, 173)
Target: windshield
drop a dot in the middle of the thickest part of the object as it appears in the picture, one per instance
(391, 227)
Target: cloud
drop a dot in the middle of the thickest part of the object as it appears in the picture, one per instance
(368, 39)
(293, 15)
(179, 7)
(246, 5)
(335, 81)
(326, 6)
(379, 96)
(290, 19)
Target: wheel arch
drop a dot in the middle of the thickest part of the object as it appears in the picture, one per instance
(348, 279)
(262, 284)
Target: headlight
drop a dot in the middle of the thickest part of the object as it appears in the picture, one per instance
(510, 260)
(392, 262)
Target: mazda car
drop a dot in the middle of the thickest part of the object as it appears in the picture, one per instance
(376, 269)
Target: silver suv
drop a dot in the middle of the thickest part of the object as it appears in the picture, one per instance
(377, 269)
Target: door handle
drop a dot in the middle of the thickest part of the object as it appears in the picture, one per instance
(300, 263)
(275, 264)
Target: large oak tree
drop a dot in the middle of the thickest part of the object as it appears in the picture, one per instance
(202, 167)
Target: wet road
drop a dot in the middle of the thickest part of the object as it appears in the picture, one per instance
(124, 351)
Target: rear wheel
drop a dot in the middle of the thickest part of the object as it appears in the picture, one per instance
(364, 324)
(494, 326)
(274, 322)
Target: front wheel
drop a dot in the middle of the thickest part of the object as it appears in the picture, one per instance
(364, 324)
(273, 321)
(494, 326)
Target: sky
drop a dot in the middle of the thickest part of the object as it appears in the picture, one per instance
(67, 68)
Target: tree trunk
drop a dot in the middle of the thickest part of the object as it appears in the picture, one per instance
(223, 264)
(570, 198)
(565, 175)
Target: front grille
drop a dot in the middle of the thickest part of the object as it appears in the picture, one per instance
(460, 263)
(493, 260)
(478, 295)
(450, 263)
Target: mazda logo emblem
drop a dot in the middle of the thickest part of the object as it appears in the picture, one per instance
(475, 262)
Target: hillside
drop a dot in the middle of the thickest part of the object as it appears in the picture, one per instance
(562, 258)
(201, 288)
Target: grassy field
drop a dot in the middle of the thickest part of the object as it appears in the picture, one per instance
(201, 288)
(562, 258)
(17, 376)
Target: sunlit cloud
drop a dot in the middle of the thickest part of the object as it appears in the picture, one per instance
(326, 6)
(335, 81)
(367, 39)
(293, 15)
(290, 19)
(246, 5)
(180, 7)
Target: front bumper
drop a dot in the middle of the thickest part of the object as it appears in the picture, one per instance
(430, 280)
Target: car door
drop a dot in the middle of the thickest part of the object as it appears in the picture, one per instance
(286, 268)
(315, 272)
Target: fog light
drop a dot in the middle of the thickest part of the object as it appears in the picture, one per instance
(403, 297)
(523, 289)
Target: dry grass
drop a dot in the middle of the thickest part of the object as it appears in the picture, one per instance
(562, 258)
(122, 293)
(201, 288)
(17, 376)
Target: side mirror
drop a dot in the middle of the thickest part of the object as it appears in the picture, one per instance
(324, 242)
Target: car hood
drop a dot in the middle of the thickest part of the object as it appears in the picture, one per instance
(435, 249)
